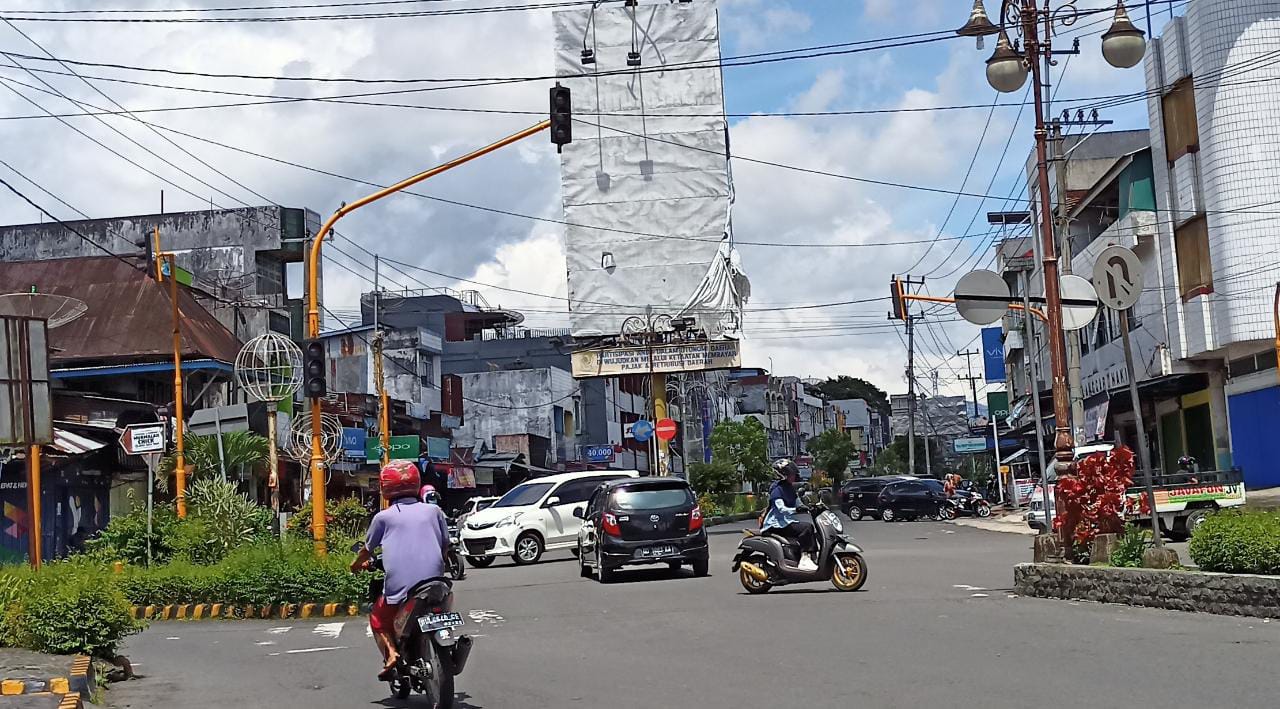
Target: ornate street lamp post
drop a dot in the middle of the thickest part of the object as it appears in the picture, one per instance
(1036, 23)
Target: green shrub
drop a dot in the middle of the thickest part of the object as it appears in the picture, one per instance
(65, 608)
(1235, 542)
(716, 477)
(125, 537)
(347, 518)
(1129, 549)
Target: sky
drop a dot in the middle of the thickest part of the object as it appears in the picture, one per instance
(981, 150)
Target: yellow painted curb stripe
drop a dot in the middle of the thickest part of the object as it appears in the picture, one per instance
(10, 687)
(215, 610)
(330, 610)
(182, 611)
(308, 609)
(150, 612)
(59, 685)
(71, 701)
(353, 610)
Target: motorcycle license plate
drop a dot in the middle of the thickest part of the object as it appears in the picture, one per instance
(439, 621)
(654, 552)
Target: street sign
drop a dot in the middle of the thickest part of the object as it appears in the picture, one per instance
(140, 438)
(402, 448)
(971, 445)
(642, 430)
(1117, 276)
(598, 454)
(982, 297)
(666, 429)
(1079, 302)
(998, 405)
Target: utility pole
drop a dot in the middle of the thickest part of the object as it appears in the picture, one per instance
(911, 395)
(1062, 224)
(973, 381)
(180, 467)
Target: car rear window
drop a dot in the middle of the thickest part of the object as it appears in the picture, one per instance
(651, 498)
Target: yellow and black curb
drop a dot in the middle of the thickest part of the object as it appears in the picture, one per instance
(238, 611)
(77, 685)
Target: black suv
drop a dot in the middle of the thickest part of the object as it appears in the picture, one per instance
(860, 497)
(911, 499)
(641, 521)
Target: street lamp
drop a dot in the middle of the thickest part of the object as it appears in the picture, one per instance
(1036, 22)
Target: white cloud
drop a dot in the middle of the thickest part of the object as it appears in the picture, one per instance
(769, 24)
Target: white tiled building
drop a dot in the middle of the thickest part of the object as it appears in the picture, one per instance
(1215, 138)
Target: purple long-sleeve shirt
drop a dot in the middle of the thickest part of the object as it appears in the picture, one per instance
(413, 536)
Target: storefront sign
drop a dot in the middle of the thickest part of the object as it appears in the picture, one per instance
(971, 445)
(353, 442)
(993, 354)
(598, 454)
(402, 448)
(689, 357)
(998, 405)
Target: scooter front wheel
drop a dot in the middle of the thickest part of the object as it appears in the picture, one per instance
(983, 510)
(850, 572)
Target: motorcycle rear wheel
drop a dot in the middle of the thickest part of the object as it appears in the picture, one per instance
(850, 572)
(400, 688)
(751, 584)
(440, 686)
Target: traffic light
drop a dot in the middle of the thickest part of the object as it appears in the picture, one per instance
(561, 116)
(895, 295)
(313, 383)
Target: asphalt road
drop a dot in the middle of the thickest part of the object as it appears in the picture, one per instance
(936, 625)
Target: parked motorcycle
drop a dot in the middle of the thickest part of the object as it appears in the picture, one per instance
(767, 559)
(432, 653)
(453, 560)
(968, 502)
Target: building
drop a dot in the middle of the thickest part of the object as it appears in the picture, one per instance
(238, 257)
(1212, 106)
(939, 419)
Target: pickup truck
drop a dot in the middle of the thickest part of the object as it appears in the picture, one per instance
(1183, 500)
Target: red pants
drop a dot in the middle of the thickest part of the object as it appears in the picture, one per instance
(383, 617)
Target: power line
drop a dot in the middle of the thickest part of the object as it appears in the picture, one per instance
(304, 18)
(68, 227)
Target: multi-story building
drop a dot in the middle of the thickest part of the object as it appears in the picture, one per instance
(1213, 135)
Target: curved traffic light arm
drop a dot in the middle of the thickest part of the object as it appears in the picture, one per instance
(907, 297)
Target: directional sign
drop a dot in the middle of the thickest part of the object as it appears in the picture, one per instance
(971, 445)
(1117, 276)
(982, 297)
(140, 438)
(642, 430)
(1079, 302)
(666, 429)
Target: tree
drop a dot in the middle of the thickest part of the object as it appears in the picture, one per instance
(715, 478)
(845, 387)
(832, 450)
(200, 454)
(743, 445)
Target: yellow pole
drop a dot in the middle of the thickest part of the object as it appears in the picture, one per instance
(313, 306)
(179, 427)
(35, 543)
(658, 385)
(1276, 317)
(384, 407)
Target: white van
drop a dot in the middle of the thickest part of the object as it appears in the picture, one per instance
(533, 517)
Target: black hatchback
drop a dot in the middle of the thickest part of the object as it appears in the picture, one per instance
(638, 521)
(911, 499)
(860, 497)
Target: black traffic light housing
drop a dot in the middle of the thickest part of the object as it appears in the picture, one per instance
(561, 116)
(899, 303)
(314, 385)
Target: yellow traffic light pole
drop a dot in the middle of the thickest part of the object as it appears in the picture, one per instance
(313, 308)
(180, 468)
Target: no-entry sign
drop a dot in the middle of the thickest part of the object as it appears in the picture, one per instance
(666, 429)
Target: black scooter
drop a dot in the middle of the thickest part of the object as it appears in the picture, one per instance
(767, 559)
(969, 502)
(431, 651)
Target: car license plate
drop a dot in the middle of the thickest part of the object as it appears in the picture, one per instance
(439, 621)
(653, 552)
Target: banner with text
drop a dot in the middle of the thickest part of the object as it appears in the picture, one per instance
(684, 357)
(993, 354)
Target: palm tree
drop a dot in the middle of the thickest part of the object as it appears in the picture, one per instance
(240, 449)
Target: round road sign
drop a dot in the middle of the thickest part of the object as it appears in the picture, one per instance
(982, 297)
(1117, 276)
(642, 430)
(666, 429)
(1079, 302)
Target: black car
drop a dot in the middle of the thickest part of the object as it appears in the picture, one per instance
(641, 521)
(860, 497)
(911, 499)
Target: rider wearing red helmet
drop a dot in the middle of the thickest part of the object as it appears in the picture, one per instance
(414, 538)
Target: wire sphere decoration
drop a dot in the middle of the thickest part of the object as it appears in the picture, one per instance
(269, 367)
(298, 446)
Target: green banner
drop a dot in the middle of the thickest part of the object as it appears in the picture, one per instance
(402, 448)
(998, 405)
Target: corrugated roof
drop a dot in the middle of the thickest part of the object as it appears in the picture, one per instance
(129, 317)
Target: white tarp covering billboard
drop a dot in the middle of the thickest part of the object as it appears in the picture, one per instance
(649, 162)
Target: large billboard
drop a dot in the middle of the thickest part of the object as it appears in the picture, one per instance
(682, 357)
(645, 182)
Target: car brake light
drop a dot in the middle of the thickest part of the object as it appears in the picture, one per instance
(611, 525)
(695, 519)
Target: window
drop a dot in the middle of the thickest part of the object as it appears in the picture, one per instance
(652, 498)
(1195, 271)
(426, 370)
(1181, 131)
(523, 495)
(574, 491)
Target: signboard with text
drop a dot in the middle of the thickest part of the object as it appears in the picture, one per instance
(598, 454)
(143, 438)
(402, 448)
(971, 445)
(998, 405)
(993, 354)
(684, 357)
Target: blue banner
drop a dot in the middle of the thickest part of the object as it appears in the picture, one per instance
(598, 454)
(993, 353)
(438, 448)
(353, 442)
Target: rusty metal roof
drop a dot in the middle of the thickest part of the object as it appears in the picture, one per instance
(129, 317)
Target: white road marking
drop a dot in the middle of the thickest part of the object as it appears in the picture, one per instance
(265, 642)
(484, 616)
(979, 595)
(280, 631)
(314, 649)
(272, 654)
(967, 587)
(328, 630)
(173, 637)
(368, 631)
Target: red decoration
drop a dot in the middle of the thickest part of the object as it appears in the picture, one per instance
(1092, 502)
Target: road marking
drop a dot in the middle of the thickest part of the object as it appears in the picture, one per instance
(483, 616)
(280, 631)
(328, 630)
(979, 595)
(265, 642)
(368, 631)
(314, 649)
(272, 654)
(967, 587)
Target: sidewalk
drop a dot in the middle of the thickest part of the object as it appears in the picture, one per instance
(1008, 522)
(1268, 499)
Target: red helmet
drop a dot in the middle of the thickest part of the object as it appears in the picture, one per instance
(399, 479)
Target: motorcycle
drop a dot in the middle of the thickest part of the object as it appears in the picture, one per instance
(767, 559)
(968, 502)
(431, 652)
(453, 560)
